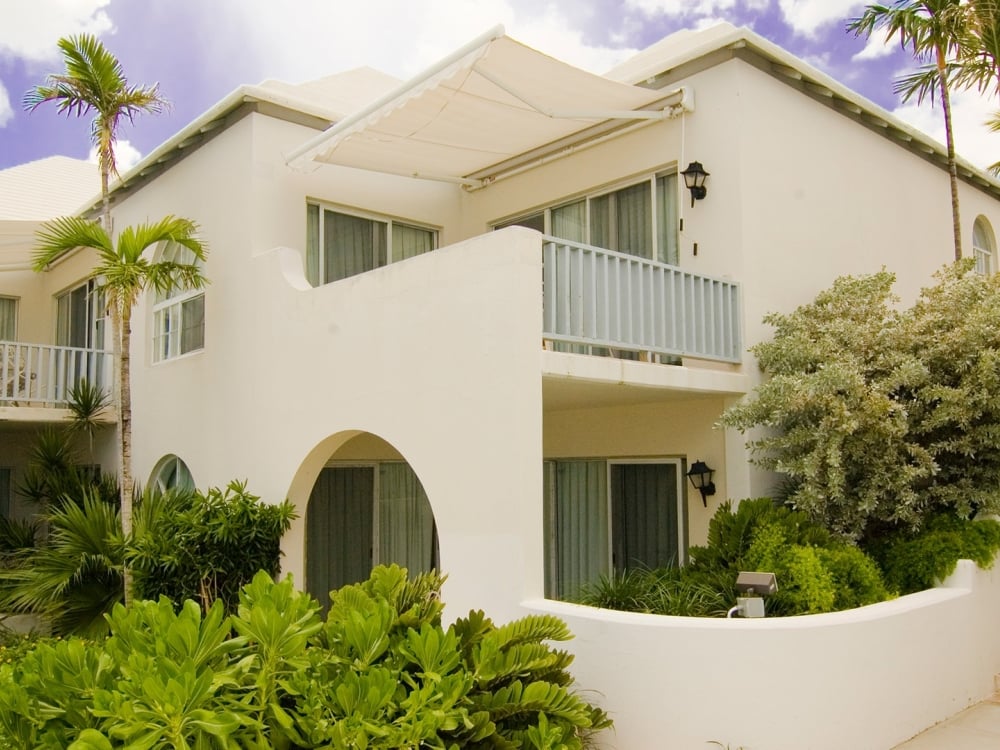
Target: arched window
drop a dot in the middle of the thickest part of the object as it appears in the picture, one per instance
(984, 246)
(171, 473)
(178, 315)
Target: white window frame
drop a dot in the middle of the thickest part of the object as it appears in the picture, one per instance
(167, 339)
(172, 466)
(588, 197)
(387, 221)
(97, 314)
(985, 257)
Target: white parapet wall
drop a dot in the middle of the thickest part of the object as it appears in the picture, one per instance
(867, 678)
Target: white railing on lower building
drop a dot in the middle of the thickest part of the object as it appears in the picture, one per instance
(44, 375)
(604, 298)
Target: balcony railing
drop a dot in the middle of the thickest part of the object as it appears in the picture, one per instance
(602, 298)
(43, 375)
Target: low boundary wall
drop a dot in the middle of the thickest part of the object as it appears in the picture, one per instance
(867, 678)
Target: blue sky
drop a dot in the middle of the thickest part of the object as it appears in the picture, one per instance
(200, 50)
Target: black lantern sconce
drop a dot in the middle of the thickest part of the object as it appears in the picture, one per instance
(701, 479)
(694, 180)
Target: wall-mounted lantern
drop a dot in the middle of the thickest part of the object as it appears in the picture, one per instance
(694, 180)
(700, 475)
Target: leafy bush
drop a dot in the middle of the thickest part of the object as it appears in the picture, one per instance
(205, 546)
(914, 561)
(380, 672)
(184, 545)
(881, 417)
(664, 591)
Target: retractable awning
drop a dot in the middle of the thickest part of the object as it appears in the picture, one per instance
(489, 103)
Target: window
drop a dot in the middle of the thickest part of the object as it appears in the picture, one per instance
(639, 219)
(610, 515)
(81, 314)
(339, 245)
(8, 319)
(983, 246)
(171, 473)
(179, 314)
(360, 516)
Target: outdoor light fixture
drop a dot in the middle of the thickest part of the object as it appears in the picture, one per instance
(754, 586)
(701, 478)
(694, 180)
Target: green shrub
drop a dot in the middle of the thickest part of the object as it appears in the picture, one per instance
(881, 417)
(381, 672)
(205, 546)
(914, 561)
(664, 591)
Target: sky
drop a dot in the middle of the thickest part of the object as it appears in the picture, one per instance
(200, 50)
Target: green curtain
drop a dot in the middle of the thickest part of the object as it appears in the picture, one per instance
(312, 245)
(634, 225)
(644, 522)
(339, 523)
(352, 245)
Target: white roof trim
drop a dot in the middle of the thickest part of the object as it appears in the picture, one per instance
(488, 102)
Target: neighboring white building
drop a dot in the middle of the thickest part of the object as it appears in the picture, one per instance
(477, 321)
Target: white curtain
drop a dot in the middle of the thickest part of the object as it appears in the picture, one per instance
(570, 222)
(405, 521)
(410, 241)
(577, 512)
(634, 233)
(667, 220)
(352, 245)
(8, 319)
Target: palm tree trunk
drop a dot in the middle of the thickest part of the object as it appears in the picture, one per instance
(952, 164)
(125, 425)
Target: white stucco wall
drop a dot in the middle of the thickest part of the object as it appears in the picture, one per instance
(865, 679)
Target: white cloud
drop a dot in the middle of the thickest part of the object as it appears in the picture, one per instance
(6, 111)
(807, 16)
(31, 28)
(126, 155)
(877, 47)
(322, 37)
(973, 140)
(687, 7)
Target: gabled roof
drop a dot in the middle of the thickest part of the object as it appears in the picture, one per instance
(676, 57)
(47, 188)
(36, 192)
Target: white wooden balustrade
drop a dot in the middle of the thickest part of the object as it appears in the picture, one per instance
(43, 375)
(604, 298)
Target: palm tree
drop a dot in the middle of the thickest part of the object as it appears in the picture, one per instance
(125, 272)
(934, 31)
(95, 82)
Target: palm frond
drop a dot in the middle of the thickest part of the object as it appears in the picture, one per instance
(68, 233)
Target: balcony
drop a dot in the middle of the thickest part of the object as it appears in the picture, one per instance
(606, 299)
(41, 375)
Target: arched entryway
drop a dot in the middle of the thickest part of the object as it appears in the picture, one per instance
(367, 507)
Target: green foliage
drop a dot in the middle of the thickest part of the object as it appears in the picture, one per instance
(881, 417)
(816, 571)
(666, 591)
(381, 672)
(914, 561)
(205, 546)
(76, 576)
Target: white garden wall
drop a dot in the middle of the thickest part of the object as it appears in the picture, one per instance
(867, 678)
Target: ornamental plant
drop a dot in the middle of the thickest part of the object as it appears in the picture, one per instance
(881, 417)
(380, 672)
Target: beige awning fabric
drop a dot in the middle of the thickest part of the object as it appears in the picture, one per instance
(488, 103)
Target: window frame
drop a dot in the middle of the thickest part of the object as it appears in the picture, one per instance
(985, 257)
(386, 220)
(610, 191)
(96, 313)
(171, 307)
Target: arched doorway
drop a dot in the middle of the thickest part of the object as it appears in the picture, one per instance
(366, 508)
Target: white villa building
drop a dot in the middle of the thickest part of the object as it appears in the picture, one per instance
(478, 321)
